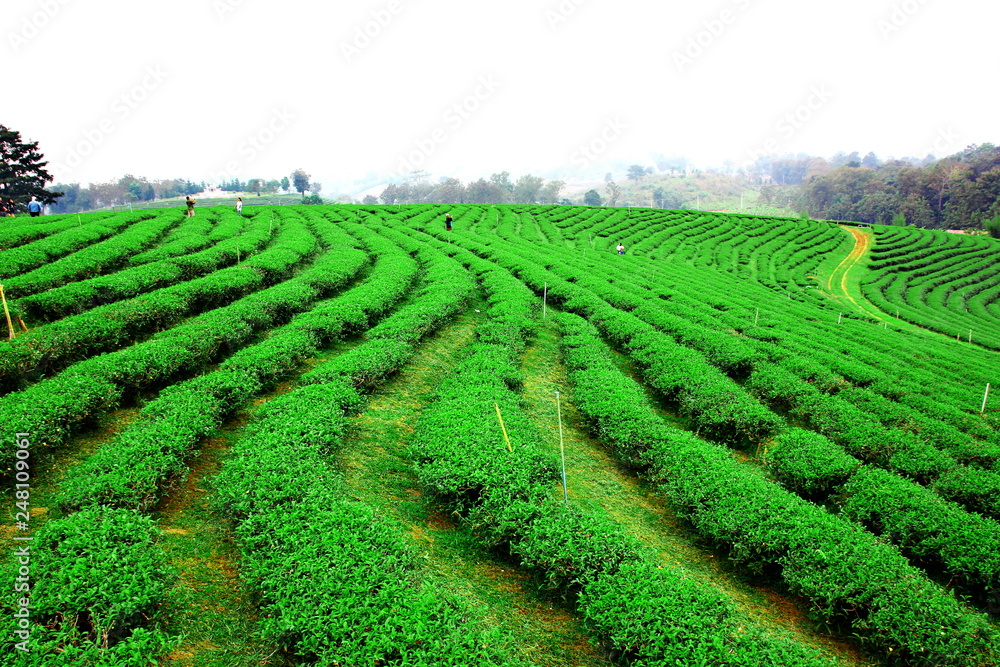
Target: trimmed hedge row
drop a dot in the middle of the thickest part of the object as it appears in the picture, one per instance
(132, 471)
(808, 464)
(338, 583)
(926, 527)
(53, 409)
(108, 327)
(505, 497)
(97, 582)
(92, 260)
(81, 296)
(849, 578)
(25, 258)
(356, 596)
(13, 236)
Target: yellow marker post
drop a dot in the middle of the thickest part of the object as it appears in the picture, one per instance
(10, 325)
(503, 428)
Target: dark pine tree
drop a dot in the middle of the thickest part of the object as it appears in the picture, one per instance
(22, 170)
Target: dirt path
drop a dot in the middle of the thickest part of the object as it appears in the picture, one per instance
(837, 282)
(210, 605)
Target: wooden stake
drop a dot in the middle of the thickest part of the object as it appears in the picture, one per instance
(545, 298)
(503, 428)
(562, 448)
(756, 316)
(23, 326)
(839, 317)
(982, 410)
(10, 326)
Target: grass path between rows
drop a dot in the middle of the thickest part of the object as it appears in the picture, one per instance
(209, 605)
(598, 482)
(378, 472)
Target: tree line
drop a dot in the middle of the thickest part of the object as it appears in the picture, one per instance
(961, 191)
(497, 189)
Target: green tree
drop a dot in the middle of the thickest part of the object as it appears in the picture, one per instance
(483, 192)
(549, 193)
(636, 172)
(450, 191)
(300, 180)
(255, 185)
(614, 192)
(285, 184)
(502, 186)
(312, 199)
(592, 198)
(526, 189)
(369, 200)
(992, 226)
(22, 170)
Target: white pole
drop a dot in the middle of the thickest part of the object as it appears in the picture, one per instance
(756, 316)
(985, 396)
(545, 298)
(562, 449)
(839, 317)
(970, 335)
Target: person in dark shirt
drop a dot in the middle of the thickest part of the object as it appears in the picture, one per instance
(190, 205)
(447, 222)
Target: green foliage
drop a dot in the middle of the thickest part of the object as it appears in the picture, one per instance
(808, 463)
(992, 226)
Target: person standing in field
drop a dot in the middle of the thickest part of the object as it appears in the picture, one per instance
(447, 222)
(239, 206)
(190, 205)
(621, 248)
(11, 207)
(34, 208)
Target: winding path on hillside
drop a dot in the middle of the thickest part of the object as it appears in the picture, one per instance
(837, 282)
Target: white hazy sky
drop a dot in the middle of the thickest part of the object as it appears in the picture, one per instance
(203, 89)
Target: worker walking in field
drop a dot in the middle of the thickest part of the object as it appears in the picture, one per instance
(621, 248)
(34, 207)
(190, 205)
(239, 206)
(447, 222)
